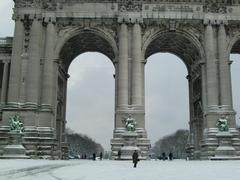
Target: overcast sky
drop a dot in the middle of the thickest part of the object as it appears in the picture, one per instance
(90, 105)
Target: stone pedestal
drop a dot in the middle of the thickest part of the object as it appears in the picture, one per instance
(127, 142)
(130, 141)
(14, 149)
(225, 150)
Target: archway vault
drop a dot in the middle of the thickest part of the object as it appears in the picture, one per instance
(179, 43)
(86, 41)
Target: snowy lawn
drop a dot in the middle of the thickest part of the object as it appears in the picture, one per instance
(118, 170)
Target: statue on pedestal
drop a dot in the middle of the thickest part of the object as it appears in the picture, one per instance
(222, 124)
(130, 123)
(16, 123)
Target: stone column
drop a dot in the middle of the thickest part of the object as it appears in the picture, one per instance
(48, 72)
(17, 49)
(211, 68)
(203, 84)
(204, 90)
(137, 63)
(4, 82)
(122, 76)
(33, 80)
(22, 96)
(225, 75)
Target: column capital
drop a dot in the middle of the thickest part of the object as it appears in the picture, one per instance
(128, 20)
(6, 61)
(17, 17)
(215, 22)
(50, 20)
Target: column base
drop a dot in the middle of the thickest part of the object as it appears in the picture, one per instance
(38, 142)
(220, 145)
(14, 149)
(127, 142)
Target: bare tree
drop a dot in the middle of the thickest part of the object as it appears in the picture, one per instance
(81, 144)
(175, 143)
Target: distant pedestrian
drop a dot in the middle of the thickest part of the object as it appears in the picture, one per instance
(164, 156)
(119, 154)
(94, 156)
(101, 155)
(135, 158)
(170, 156)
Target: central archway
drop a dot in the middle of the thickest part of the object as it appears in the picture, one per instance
(189, 50)
(167, 96)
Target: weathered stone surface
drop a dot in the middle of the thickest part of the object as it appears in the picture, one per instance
(50, 34)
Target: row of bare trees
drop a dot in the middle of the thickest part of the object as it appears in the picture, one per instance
(82, 145)
(175, 143)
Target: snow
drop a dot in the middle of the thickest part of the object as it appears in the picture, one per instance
(118, 170)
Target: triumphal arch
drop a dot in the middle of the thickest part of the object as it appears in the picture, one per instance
(49, 34)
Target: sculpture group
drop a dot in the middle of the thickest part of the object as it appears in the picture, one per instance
(50, 34)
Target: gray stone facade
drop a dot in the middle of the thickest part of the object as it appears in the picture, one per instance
(50, 34)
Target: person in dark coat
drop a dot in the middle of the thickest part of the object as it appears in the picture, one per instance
(170, 156)
(94, 156)
(119, 154)
(135, 158)
(101, 155)
(164, 156)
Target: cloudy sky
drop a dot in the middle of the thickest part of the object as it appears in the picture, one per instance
(90, 105)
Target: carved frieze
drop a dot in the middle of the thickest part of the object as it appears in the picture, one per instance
(213, 7)
(27, 3)
(49, 5)
(130, 6)
(44, 4)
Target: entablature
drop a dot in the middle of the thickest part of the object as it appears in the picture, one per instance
(131, 11)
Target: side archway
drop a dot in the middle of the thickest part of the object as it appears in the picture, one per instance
(69, 47)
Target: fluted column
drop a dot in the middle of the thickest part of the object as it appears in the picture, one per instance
(211, 68)
(4, 82)
(48, 72)
(137, 63)
(203, 84)
(33, 77)
(204, 91)
(17, 49)
(122, 76)
(225, 75)
(25, 59)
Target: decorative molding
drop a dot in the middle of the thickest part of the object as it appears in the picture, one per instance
(44, 4)
(27, 3)
(130, 6)
(213, 7)
(50, 5)
(27, 23)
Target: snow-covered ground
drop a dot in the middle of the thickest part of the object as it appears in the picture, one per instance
(118, 170)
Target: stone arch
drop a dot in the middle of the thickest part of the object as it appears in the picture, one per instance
(90, 40)
(73, 43)
(189, 49)
(183, 36)
(234, 45)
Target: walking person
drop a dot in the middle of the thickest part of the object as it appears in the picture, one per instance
(101, 155)
(119, 154)
(94, 156)
(170, 156)
(163, 156)
(135, 158)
